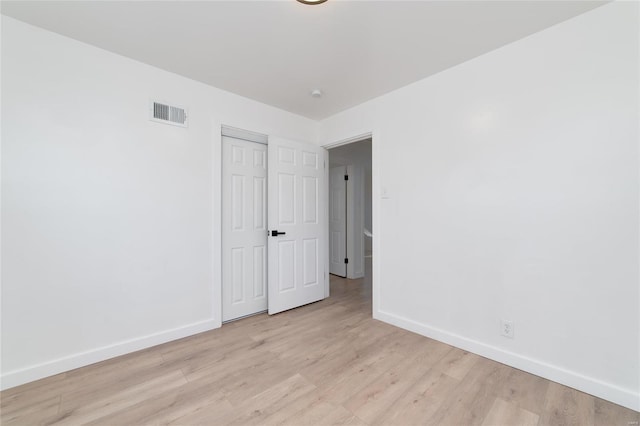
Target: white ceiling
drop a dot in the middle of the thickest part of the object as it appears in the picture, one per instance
(276, 52)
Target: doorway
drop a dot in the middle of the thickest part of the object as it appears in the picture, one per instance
(274, 228)
(350, 209)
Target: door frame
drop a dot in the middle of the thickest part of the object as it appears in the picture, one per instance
(216, 223)
(216, 214)
(376, 196)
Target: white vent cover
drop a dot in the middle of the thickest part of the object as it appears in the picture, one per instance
(168, 114)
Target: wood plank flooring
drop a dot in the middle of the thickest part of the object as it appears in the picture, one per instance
(325, 363)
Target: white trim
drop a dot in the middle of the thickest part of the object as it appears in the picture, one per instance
(347, 141)
(246, 135)
(590, 385)
(376, 209)
(327, 266)
(81, 359)
(216, 223)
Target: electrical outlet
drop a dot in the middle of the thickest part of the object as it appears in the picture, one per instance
(506, 328)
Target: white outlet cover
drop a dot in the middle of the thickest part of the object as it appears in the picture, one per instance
(507, 329)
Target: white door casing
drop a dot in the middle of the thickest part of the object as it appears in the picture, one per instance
(297, 193)
(244, 228)
(337, 221)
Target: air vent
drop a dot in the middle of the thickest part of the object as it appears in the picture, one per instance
(168, 114)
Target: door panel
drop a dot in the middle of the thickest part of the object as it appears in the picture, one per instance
(310, 200)
(286, 265)
(287, 199)
(244, 232)
(310, 264)
(259, 203)
(237, 275)
(237, 202)
(296, 258)
(337, 221)
(259, 271)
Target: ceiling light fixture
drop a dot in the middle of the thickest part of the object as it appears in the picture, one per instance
(311, 1)
(316, 93)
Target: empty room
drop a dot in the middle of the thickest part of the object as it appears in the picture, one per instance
(320, 212)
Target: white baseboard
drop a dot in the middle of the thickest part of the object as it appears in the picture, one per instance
(18, 377)
(626, 398)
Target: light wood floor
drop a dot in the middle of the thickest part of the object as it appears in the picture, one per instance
(325, 363)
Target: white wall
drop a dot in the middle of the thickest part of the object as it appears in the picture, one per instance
(110, 222)
(513, 193)
(512, 182)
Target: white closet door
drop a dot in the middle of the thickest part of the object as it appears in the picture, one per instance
(297, 240)
(244, 228)
(337, 221)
